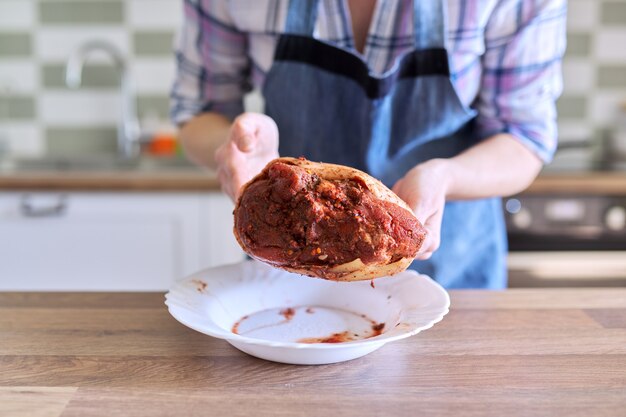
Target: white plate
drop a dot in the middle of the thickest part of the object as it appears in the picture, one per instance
(284, 317)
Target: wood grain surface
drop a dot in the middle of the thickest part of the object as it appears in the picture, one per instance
(512, 353)
(599, 183)
(192, 180)
(590, 183)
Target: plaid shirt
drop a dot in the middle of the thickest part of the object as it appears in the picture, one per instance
(505, 56)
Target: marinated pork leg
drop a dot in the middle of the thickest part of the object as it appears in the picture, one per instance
(326, 221)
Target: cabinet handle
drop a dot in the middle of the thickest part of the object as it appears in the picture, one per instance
(28, 209)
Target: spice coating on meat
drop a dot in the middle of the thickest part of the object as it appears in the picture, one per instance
(290, 216)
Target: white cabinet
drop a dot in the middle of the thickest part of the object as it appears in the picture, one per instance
(111, 241)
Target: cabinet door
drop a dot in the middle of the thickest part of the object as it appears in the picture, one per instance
(218, 241)
(97, 241)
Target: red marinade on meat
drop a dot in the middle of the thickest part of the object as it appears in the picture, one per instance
(291, 217)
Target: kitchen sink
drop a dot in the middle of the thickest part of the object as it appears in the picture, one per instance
(96, 163)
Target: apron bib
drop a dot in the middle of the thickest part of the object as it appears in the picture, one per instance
(330, 107)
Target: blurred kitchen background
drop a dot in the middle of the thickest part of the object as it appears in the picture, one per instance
(39, 115)
(91, 199)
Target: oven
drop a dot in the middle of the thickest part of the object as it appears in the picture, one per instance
(566, 241)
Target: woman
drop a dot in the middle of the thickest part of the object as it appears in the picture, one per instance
(450, 103)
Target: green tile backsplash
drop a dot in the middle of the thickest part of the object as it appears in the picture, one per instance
(17, 107)
(94, 76)
(572, 107)
(158, 105)
(578, 44)
(33, 58)
(72, 140)
(611, 76)
(613, 12)
(15, 44)
(81, 12)
(33, 94)
(153, 43)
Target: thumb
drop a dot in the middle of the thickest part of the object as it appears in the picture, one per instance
(244, 136)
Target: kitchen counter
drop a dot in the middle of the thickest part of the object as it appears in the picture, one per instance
(166, 180)
(591, 183)
(191, 179)
(513, 353)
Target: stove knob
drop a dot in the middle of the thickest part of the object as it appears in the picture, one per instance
(522, 219)
(615, 218)
(513, 205)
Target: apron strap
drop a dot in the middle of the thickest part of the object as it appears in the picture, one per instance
(301, 17)
(428, 24)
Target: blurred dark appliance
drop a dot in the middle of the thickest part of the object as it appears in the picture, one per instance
(566, 241)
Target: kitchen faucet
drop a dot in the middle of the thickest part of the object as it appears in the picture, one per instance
(128, 125)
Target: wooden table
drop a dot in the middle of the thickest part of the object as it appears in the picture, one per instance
(588, 183)
(512, 353)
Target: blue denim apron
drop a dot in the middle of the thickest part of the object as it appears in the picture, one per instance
(329, 107)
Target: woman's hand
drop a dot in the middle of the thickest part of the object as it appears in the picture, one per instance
(252, 143)
(424, 189)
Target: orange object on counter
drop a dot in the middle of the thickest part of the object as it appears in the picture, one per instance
(163, 145)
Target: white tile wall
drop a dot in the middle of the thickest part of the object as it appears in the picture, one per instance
(24, 138)
(53, 43)
(16, 14)
(604, 106)
(610, 45)
(79, 108)
(579, 75)
(56, 44)
(154, 14)
(582, 15)
(607, 46)
(575, 131)
(19, 76)
(153, 75)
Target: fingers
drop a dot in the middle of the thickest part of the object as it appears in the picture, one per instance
(411, 196)
(242, 139)
(255, 133)
(428, 210)
(224, 180)
(433, 236)
(397, 187)
(229, 164)
(252, 143)
(231, 183)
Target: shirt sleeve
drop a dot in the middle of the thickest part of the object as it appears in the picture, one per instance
(212, 64)
(524, 45)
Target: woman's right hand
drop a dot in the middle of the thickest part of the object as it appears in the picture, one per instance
(252, 143)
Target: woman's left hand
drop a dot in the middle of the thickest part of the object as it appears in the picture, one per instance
(424, 189)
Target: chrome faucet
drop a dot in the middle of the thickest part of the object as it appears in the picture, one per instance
(128, 125)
